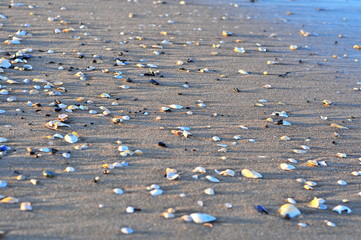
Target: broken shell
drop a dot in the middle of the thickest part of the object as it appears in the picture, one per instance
(212, 179)
(330, 224)
(312, 163)
(227, 172)
(199, 170)
(291, 200)
(307, 187)
(175, 106)
(71, 137)
(69, 169)
(341, 155)
(168, 215)
(250, 173)
(118, 191)
(126, 230)
(186, 218)
(311, 183)
(315, 203)
(49, 174)
(293, 47)
(298, 151)
(302, 224)
(9, 200)
(341, 208)
(287, 167)
(289, 211)
(34, 181)
(123, 148)
(338, 126)
(171, 174)
(202, 218)
(209, 191)
(239, 49)
(156, 192)
(26, 206)
(216, 139)
(243, 72)
(327, 102)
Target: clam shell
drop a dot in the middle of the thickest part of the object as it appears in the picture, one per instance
(199, 170)
(227, 172)
(69, 169)
(3, 184)
(202, 218)
(9, 200)
(341, 155)
(298, 151)
(243, 72)
(338, 126)
(341, 208)
(330, 224)
(71, 137)
(123, 148)
(291, 200)
(288, 211)
(26, 206)
(341, 182)
(209, 191)
(239, 49)
(287, 167)
(168, 215)
(212, 179)
(216, 139)
(118, 191)
(127, 230)
(250, 173)
(175, 106)
(285, 138)
(156, 192)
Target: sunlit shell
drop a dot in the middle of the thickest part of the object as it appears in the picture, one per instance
(118, 191)
(199, 170)
(305, 147)
(326, 102)
(168, 215)
(69, 169)
(209, 191)
(156, 192)
(202, 218)
(34, 181)
(26, 206)
(341, 208)
(341, 182)
(312, 163)
(239, 49)
(250, 173)
(171, 174)
(186, 218)
(123, 148)
(216, 139)
(71, 137)
(104, 95)
(9, 200)
(175, 106)
(293, 47)
(341, 155)
(285, 138)
(212, 179)
(298, 151)
(126, 230)
(243, 72)
(292, 160)
(330, 224)
(311, 183)
(287, 167)
(55, 124)
(288, 211)
(338, 126)
(291, 200)
(227, 172)
(3, 184)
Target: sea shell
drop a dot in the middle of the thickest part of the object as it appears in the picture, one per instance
(315, 203)
(3, 184)
(305, 147)
(341, 182)
(49, 174)
(311, 183)
(330, 224)
(227, 172)
(34, 181)
(168, 215)
(338, 126)
(156, 192)
(202, 218)
(209, 191)
(71, 137)
(307, 187)
(199, 170)
(69, 169)
(287, 167)
(291, 200)
(239, 49)
(212, 179)
(341, 155)
(250, 173)
(285, 138)
(126, 230)
(298, 151)
(341, 208)
(9, 200)
(118, 191)
(292, 160)
(243, 72)
(171, 174)
(175, 106)
(216, 139)
(288, 211)
(293, 47)
(123, 148)
(26, 206)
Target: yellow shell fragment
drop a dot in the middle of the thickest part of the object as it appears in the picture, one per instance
(338, 126)
(250, 173)
(9, 200)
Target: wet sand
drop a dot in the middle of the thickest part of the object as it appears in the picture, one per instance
(67, 206)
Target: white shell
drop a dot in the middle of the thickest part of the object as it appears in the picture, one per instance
(69, 169)
(291, 200)
(239, 49)
(175, 106)
(341, 182)
(287, 167)
(71, 138)
(202, 218)
(156, 192)
(285, 138)
(212, 179)
(341, 208)
(227, 172)
(209, 191)
(243, 72)
(118, 191)
(216, 139)
(330, 224)
(302, 224)
(26, 206)
(3, 184)
(305, 147)
(299, 151)
(250, 173)
(123, 148)
(129, 209)
(126, 230)
(289, 211)
(341, 155)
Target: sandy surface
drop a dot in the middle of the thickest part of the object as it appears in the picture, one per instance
(67, 206)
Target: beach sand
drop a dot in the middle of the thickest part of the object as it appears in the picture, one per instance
(67, 206)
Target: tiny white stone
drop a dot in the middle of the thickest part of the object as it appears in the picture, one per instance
(118, 191)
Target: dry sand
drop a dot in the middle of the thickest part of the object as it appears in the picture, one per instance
(67, 206)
